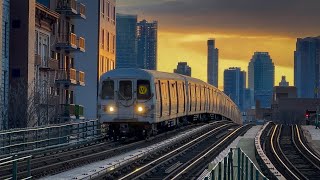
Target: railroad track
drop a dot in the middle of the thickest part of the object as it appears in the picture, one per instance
(62, 161)
(177, 161)
(294, 159)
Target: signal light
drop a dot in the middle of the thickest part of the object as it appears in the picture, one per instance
(307, 114)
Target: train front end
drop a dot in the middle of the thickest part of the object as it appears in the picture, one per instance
(126, 104)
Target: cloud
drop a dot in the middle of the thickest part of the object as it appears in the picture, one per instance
(259, 17)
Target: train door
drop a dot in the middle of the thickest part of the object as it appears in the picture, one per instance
(158, 99)
(125, 106)
(173, 97)
(164, 99)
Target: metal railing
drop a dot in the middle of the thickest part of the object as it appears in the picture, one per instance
(53, 64)
(68, 109)
(79, 110)
(236, 165)
(81, 77)
(73, 74)
(81, 43)
(67, 74)
(66, 5)
(14, 161)
(29, 139)
(37, 59)
(67, 39)
(81, 9)
(46, 62)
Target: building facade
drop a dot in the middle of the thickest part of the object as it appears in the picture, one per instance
(100, 57)
(283, 82)
(213, 63)
(43, 74)
(147, 41)
(235, 85)
(183, 68)
(261, 78)
(4, 61)
(306, 67)
(126, 52)
(248, 99)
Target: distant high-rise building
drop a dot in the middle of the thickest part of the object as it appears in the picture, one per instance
(183, 68)
(4, 61)
(147, 38)
(306, 67)
(235, 85)
(283, 82)
(100, 57)
(248, 99)
(213, 58)
(126, 52)
(261, 78)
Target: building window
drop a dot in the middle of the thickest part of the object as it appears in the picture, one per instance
(114, 14)
(15, 73)
(102, 7)
(108, 41)
(102, 38)
(108, 10)
(5, 39)
(16, 23)
(102, 64)
(53, 55)
(108, 64)
(113, 43)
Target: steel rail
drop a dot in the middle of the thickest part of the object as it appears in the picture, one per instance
(172, 152)
(204, 155)
(275, 152)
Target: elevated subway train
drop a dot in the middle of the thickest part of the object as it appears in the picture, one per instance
(138, 102)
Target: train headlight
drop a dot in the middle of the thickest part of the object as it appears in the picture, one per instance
(111, 109)
(140, 109)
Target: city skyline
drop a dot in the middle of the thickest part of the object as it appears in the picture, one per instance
(185, 38)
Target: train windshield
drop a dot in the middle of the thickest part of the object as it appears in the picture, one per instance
(125, 90)
(107, 89)
(143, 90)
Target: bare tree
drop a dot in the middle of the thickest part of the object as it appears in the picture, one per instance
(30, 106)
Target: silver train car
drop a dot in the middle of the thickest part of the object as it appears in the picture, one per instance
(138, 102)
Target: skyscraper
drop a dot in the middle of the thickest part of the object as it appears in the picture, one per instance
(283, 82)
(235, 85)
(213, 58)
(147, 37)
(4, 61)
(126, 52)
(261, 78)
(306, 67)
(100, 33)
(183, 68)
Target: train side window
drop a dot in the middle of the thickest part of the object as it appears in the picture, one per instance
(184, 97)
(190, 101)
(143, 90)
(107, 89)
(125, 90)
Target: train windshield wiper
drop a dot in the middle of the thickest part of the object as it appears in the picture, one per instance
(122, 96)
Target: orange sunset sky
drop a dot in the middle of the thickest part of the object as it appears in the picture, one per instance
(239, 27)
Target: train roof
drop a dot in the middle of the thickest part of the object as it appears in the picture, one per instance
(136, 72)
